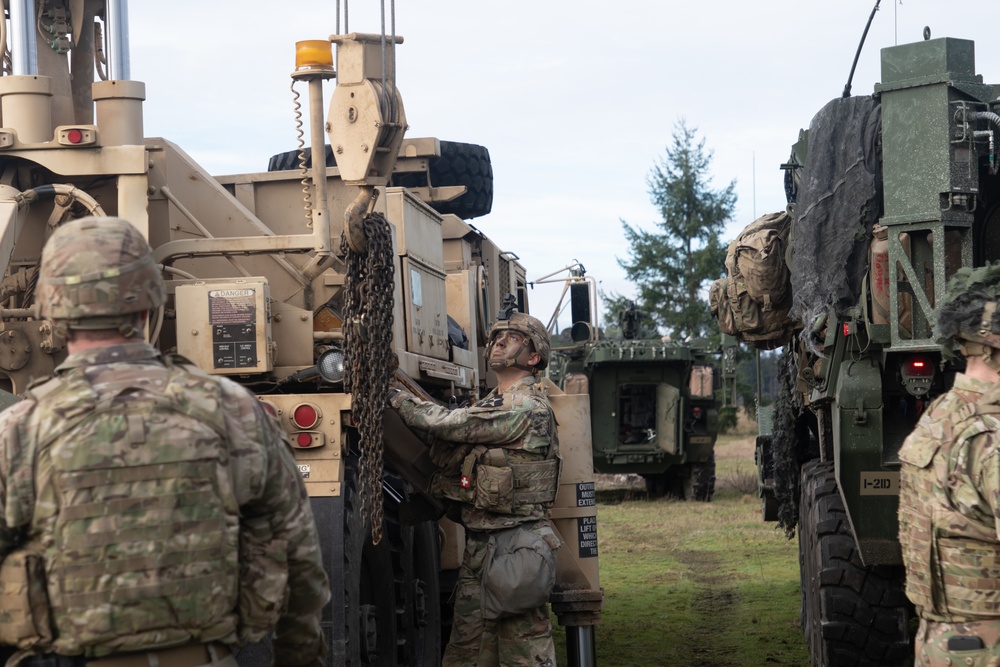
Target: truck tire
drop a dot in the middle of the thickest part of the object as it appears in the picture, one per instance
(699, 481)
(289, 160)
(852, 614)
(657, 484)
(458, 164)
(369, 588)
(416, 563)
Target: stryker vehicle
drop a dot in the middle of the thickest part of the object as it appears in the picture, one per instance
(653, 405)
(890, 194)
(263, 290)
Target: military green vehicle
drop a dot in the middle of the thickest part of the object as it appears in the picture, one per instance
(653, 403)
(285, 281)
(890, 194)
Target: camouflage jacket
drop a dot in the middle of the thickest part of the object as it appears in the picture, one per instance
(257, 473)
(949, 505)
(518, 420)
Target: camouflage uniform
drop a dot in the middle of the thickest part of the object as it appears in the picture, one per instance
(949, 501)
(519, 420)
(160, 504)
(256, 470)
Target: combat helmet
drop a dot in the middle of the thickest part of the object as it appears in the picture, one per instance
(968, 320)
(98, 273)
(530, 327)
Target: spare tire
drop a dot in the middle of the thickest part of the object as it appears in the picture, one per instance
(458, 164)
(290, 160)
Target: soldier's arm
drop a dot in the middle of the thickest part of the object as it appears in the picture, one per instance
(275, 494)
(986, 472)
(494, 425)
(17, 487)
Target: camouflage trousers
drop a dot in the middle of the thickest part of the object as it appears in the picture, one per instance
(973, 644)
(525, 639)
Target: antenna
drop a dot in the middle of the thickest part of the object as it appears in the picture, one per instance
(864, 35)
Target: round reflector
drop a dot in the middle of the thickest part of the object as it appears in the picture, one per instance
(305, 415)
(74, 136)
(303, 439)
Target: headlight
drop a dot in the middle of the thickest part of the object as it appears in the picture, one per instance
(331, 365)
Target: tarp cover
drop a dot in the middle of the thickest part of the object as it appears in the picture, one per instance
(838, 201)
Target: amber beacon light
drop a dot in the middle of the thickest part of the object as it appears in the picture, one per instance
(313, 56)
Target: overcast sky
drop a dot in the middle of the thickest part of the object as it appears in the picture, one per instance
(575, 100)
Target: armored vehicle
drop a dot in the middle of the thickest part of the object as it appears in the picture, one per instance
(653, 403)
(284, 281)
(890, 194)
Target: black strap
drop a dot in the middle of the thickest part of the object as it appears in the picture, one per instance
(54, 660)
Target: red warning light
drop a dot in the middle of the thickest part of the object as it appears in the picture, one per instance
(74, 136)
(918, 367)
(303, 439)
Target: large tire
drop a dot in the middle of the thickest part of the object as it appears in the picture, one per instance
(289, 160)
(369, 587)
(416, 563)
(657, 484)
(699, 480)
(852, 614)
(458, 164)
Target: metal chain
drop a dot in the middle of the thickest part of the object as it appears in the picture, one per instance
(369, 359)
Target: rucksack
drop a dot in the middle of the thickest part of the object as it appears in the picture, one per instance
(718, 303)
(758, 287)
(757, 258)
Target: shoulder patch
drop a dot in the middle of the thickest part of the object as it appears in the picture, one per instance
(490, 402)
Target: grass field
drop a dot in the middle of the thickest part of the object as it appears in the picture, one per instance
(696, 584)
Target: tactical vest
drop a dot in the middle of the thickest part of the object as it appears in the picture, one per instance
(503, 480)
(139, 523)
(949, 542)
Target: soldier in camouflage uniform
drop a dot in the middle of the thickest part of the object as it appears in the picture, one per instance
(949, 503)
(499, 461)
(161, 504)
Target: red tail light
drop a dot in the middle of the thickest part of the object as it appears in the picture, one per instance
(305, 415)
(918, 367)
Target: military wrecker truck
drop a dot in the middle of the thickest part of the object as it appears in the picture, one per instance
(283, 281)
(653, 403)
(889, 195)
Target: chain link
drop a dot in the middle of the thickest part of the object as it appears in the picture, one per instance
(369, 359)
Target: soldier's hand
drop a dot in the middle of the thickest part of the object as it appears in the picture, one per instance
(397, 395)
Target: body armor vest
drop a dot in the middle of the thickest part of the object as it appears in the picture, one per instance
(504, 480)
(139, 523)
(948, 535)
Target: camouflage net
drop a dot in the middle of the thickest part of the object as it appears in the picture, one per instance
(837, 205)
(784, 444)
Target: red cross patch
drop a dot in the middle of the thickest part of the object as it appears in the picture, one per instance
(465, 482)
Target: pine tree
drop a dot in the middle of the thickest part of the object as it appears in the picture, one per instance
(672, 267)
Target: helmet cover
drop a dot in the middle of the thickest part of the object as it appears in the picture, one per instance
(968, 313)
(97, 273)
(531, 327)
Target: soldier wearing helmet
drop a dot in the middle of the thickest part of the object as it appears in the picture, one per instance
(950, 487)
(499, 465)
(156, 507)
